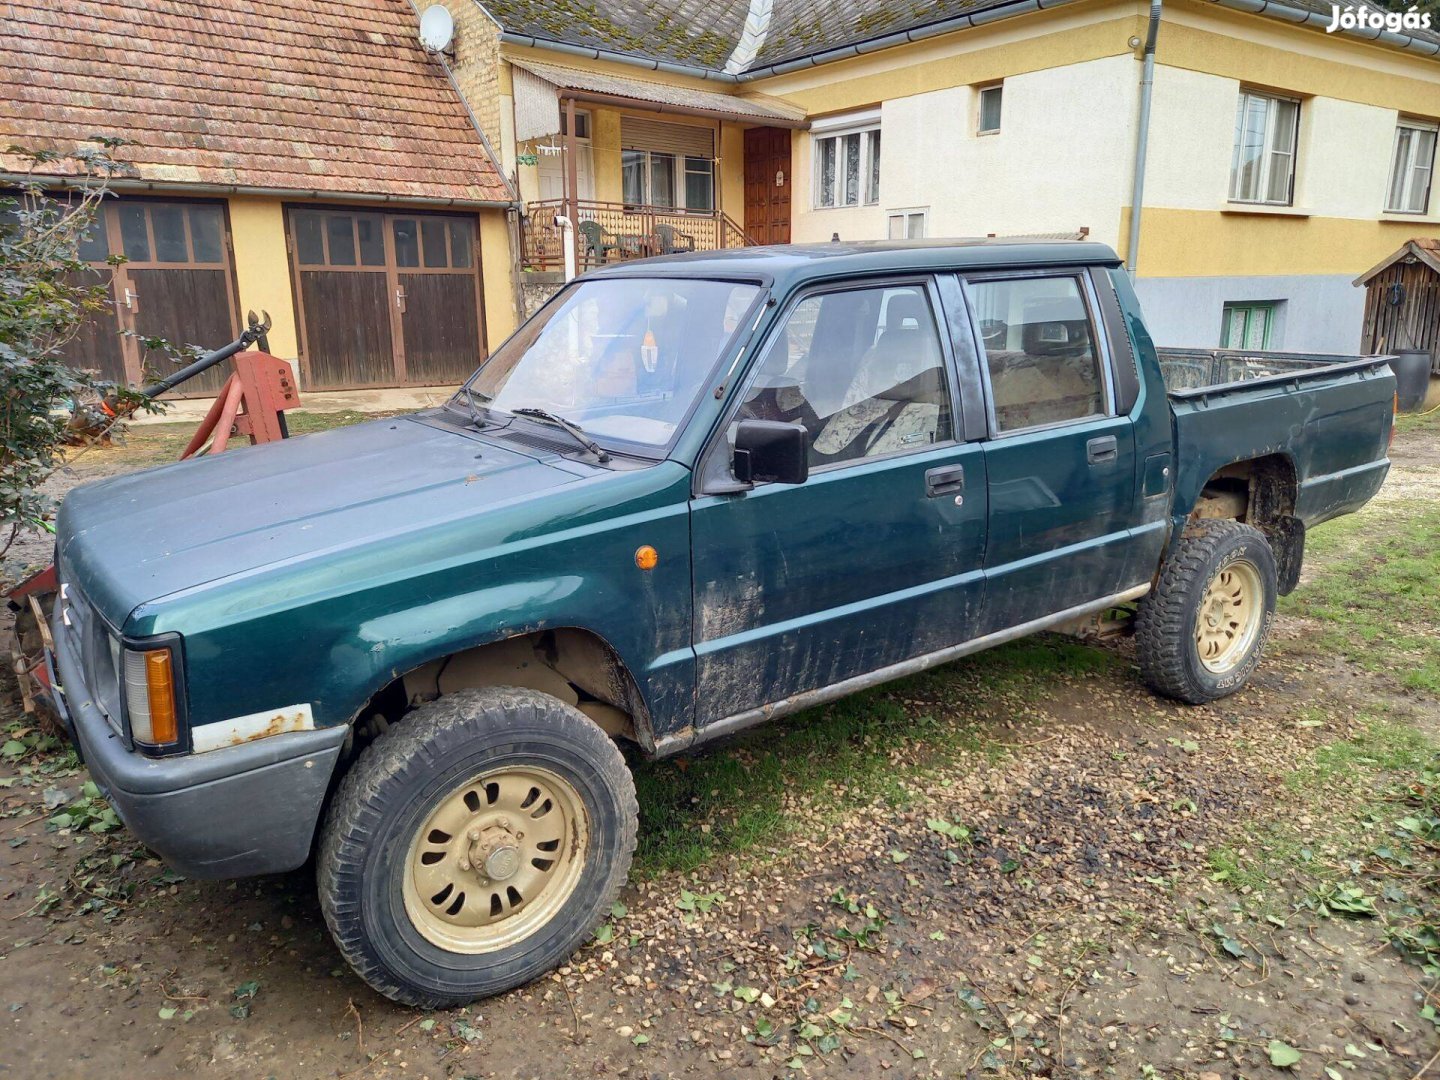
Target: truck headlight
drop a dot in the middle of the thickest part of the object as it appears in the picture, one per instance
(150, 696)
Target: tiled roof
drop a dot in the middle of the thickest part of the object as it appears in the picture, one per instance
(661, 94)
(705, 35)
(334, 96)
(697, 33)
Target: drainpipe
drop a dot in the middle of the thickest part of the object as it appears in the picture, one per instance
(1142, 139)
(567, 245)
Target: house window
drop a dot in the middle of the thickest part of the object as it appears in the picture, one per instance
(908, 224)
(1262, 167)
(1411, 167)
(671, 166)
(989, 121)
(847, 162)
(582, 124)
(1247, 325)
(655, 178)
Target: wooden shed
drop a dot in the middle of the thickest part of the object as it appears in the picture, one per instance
(1402, 301)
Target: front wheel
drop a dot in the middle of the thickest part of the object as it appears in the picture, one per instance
(1201, 633)
(474, 846)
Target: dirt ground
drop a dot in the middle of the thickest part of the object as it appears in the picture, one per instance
(1066, 877)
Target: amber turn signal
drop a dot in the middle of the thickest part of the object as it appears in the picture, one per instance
(160, 688)
(150, 697)
(646, 557)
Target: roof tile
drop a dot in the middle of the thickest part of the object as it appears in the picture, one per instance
(334, 96)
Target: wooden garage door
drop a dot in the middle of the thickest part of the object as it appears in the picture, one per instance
(174, 283)
(386, 299)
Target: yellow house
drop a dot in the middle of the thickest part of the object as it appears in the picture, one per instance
(1275, 157)
(319, 166)
(398, 207)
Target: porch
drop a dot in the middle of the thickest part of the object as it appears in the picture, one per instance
(610, 232)
(644, 168)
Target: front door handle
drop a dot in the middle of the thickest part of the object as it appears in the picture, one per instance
(945, 480)
(1101, 449)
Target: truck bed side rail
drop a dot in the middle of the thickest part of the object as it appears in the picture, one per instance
(1195, 372)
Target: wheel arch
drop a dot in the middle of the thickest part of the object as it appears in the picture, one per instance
(571, 662)
(1261, 491)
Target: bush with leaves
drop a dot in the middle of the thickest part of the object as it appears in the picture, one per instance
(47, 292)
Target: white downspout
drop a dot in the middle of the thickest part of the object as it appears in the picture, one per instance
(1142, 140)
(567, 242)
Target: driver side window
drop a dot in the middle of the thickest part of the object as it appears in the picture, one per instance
(861, 369)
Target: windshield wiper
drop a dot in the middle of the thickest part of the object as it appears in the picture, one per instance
(471, 396)
(573, 430)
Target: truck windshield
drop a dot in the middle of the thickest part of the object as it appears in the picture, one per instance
(623, 359)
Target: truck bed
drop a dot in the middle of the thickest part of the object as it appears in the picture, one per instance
(1188, 372)
(1326, 417)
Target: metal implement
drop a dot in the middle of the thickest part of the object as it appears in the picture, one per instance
(251, 403)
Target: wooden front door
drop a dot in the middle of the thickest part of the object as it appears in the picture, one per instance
(767, 185)
(386, 299)
(175, 283)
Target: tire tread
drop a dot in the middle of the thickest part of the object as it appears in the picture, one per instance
(360, 804)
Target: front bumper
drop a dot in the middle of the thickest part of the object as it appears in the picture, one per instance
(246, 809)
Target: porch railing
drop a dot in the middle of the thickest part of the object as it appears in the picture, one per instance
(614, 232)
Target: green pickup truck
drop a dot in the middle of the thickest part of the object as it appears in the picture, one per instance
(688, 496)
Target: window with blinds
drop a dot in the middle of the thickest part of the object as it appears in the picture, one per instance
(667, 165)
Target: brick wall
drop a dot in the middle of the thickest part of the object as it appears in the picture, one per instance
(476, 65)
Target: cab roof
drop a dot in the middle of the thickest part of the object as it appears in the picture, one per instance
(785, 266)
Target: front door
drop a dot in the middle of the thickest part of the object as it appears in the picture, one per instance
(386, 299)
(1061, 464)
(877, 557)
(767, 185)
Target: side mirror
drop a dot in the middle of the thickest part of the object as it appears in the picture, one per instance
(771, 451)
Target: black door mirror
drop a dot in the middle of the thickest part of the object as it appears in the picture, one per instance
(771, 452)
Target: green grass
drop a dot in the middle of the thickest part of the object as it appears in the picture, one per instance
(1349, 789)
(145, 446)
(871, 747)
(1407, 424)
(1376, 600)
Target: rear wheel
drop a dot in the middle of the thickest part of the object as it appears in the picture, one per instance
(1201, 633)
(473, 847)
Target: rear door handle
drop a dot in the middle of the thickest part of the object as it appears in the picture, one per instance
(945, 480)
(1101, 449)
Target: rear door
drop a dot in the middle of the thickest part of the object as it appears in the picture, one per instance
(1060, 461)
(877, 557)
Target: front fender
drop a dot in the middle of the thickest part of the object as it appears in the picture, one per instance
(348, 627)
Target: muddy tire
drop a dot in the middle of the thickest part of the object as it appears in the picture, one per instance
(1201, 633)
(474, 846)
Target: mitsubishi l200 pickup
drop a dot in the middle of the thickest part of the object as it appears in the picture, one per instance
(689, 495)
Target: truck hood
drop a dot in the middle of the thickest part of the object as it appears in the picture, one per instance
(136, 538)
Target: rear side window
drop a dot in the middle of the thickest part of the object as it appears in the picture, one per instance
(1041, 351)
(861, 369)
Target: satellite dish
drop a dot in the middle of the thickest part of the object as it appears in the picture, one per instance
(437, 28)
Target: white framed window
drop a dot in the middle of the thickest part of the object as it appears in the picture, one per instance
(988, 120)
(1412, 166)
(678, 181)
(847, 160)
(910, 224)
(1262, 166)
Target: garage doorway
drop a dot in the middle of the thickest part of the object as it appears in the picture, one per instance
(175, 283)
(386, 299)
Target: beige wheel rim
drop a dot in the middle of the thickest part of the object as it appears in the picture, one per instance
(1230, 615)
(495, 860)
